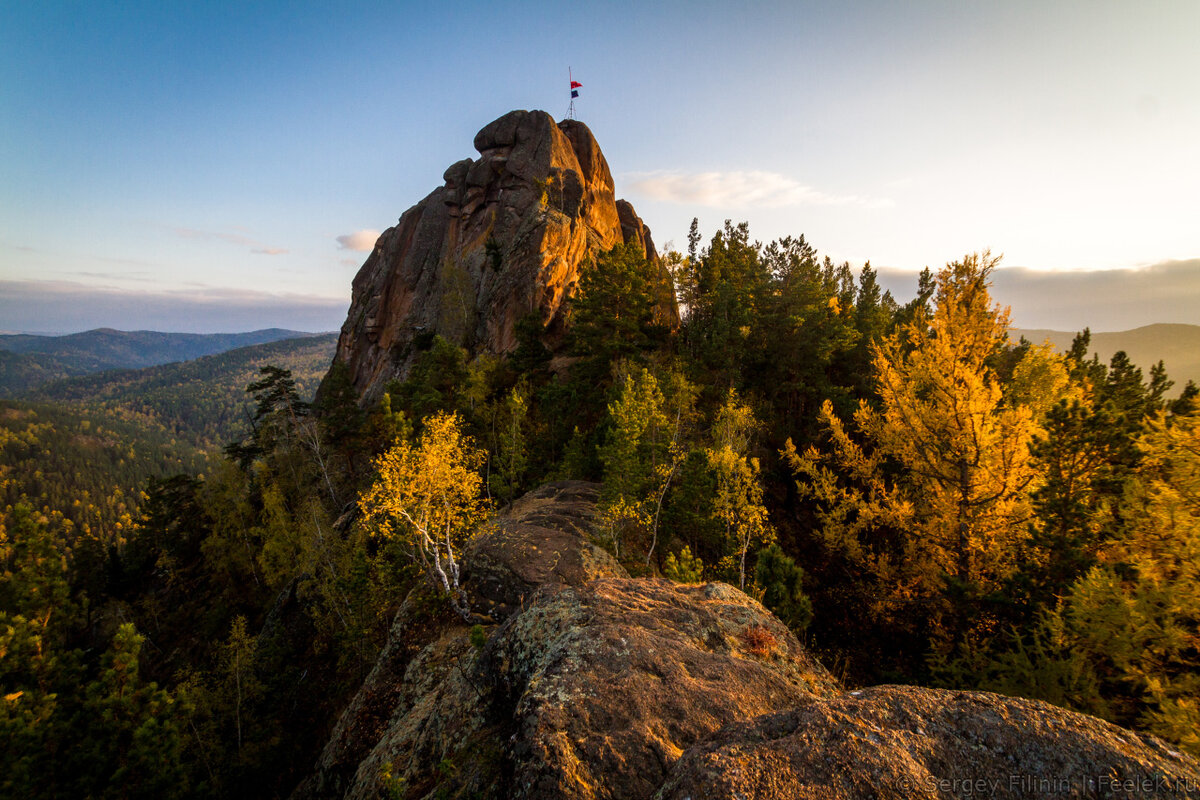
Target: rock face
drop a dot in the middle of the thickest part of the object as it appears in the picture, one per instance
(595, 685)
(903, 742)
(542, 539)
(506, 236)
(610, 682)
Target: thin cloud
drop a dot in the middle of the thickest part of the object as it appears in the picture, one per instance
(1103, 300)
(238, 239)
(140, 275)
(66, 306)
(741, 189)
(360, 241)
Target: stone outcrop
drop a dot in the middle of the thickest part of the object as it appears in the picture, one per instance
(505, 237)
(592, 684)
(901, 742)
(610, 682)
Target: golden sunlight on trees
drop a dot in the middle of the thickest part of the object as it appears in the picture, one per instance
(1133, 619)
(738, 502)
(930, 485)
(427, 495)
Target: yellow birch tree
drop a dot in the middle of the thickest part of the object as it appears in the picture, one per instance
(427, 495)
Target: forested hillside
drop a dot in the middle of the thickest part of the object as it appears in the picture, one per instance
(917, 496)
(88, 469)
(27, 361)
(202, 401)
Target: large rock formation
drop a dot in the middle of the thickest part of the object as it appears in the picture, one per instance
(595, 685)
(506, 236)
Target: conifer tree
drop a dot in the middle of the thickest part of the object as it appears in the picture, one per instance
(1134, 617)
(637, 443)
(738, 503)
(931, 485)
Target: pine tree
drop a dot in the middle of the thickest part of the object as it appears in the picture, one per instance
(1134, 617)
(636, 444)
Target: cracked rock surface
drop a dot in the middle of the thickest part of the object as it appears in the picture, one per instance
(593, 684)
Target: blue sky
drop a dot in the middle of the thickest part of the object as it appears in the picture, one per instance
(166, 164)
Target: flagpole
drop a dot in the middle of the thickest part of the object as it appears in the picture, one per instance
(571, 107)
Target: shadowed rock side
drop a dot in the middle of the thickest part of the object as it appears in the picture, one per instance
(595, 685)
(905, 742)
(541, 539)
(505, 236)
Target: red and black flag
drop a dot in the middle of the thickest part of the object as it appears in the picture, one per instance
(575, 89)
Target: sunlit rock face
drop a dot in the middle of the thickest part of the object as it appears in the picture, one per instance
(506, 236)
(582, 682)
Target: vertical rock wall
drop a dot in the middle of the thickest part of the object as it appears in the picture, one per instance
(506, 236)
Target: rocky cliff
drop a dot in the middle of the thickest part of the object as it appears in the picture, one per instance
(506, 236)
(591, 684)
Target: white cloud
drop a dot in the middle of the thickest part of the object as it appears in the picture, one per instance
(753, 188)
(270, 251)
(361, 241)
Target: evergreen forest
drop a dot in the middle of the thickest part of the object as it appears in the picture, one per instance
(200, 562)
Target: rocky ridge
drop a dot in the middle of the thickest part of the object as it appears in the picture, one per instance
(592, 684)
(506, 236)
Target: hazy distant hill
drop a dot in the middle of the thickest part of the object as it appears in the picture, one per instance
(28, 361)
(203, 401)
(1177, 346)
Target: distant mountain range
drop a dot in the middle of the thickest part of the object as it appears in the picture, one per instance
(1177, 346)
(28, 361)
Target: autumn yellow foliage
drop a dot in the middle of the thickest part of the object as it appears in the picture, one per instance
(427, 495)
(932, 481)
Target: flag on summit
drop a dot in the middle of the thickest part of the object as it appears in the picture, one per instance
(574, 93)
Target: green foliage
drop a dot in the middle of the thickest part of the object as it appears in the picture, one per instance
(685, 569)
(479, 637)
(613, 312)
(439, 381)
(28, 362)
(1134, 616)
(782, 585)
(1059, 567)
(511, 457)
(90, 470)
(738, 502)
(721, 289)
(130, 740)
(199, 403)
(637, 444)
